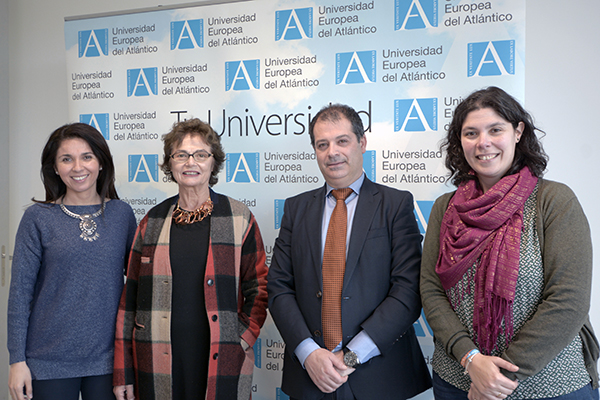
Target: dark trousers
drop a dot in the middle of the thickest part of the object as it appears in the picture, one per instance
(442, 390)
(91, 388)
(343, 393)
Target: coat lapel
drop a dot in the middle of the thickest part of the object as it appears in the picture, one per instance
(314, 221)
(368, 202)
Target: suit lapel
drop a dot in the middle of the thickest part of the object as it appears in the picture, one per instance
(368, 202)
(314, 222)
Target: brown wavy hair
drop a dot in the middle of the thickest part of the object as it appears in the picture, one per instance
(528, 152)
(193, 127)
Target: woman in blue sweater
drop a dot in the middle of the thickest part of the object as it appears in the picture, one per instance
(67, 273)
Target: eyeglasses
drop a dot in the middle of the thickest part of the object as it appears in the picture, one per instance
(199, 156)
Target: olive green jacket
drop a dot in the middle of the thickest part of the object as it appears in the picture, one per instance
(566, 245)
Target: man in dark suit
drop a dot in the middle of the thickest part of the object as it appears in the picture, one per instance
(376, 354)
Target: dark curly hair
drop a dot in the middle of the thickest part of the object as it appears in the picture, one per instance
(53, 184)
(528, 152)
(193, 127)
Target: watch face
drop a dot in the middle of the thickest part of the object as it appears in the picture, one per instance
(350, 359)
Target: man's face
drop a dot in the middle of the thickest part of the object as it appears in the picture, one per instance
(339, 153)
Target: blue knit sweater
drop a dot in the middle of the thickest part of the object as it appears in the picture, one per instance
(65, 291)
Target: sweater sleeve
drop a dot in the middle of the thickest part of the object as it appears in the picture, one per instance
(447, 328)
(253, 276)
(566, 246)
(27, 261)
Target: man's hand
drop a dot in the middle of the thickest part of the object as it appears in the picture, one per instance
(124, 392)
(325, 369)
(19, 381)
(348, 370)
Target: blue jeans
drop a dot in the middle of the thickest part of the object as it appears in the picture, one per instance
(442, 390)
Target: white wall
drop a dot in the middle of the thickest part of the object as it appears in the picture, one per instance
(562, 85)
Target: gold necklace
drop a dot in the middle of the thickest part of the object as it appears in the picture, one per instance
(184, 217)
(86, 224)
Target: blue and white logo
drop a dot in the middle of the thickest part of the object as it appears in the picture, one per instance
(143, 168)
(422, 328)
(142, 81)
(257, 352)
(242, 167)
(279, 395)
(93, 43)
(278, 211)
(415, 14)
(242, 75)
(98, 121)
(355, 67)
(188, 34)
(422, 212)
(294, 24)
(491, 58)
(415, 115)
(369, 165)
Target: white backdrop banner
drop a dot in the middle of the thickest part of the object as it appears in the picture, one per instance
(258, 70)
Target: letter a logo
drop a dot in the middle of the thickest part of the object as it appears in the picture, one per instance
(143, 168)
(242, 75)
(422, 328)
(98, 121)
(294, 24)
(491, 58)
(278, 211)
(422, 212)
(142, 81)
(416, 14)
(93, 43)
(187, 34)
(242, 167)
(355, 67)
(415, 115)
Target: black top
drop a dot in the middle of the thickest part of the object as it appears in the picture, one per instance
(190, 330)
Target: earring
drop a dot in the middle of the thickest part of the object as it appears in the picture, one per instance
(100, 168)
(56, 172)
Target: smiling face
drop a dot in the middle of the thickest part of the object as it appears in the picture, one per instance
(339, 153)
(192, 174)
(78, 168)
(489, 143)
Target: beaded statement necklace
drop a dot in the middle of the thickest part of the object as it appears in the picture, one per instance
(86, 224)
(184, 217)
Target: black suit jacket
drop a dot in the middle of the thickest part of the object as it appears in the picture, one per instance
(380, 293)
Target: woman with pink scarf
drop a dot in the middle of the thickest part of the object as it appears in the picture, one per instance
(507, 266)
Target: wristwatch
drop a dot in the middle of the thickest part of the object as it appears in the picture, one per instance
(350, 358)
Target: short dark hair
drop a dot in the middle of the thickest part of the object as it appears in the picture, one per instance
(53, 184)
(528, 152)
(193, 127)
(333, 113)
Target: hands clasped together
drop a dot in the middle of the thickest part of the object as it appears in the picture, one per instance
(327, 369)
(488, 383)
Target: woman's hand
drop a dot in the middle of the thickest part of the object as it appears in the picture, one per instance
(488, 382)
(19, 381)
(124, 392)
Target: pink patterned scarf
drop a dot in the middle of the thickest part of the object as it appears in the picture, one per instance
(485, 227)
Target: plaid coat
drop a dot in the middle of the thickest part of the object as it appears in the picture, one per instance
(235, 299)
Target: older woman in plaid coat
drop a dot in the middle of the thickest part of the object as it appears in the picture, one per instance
(233, 283)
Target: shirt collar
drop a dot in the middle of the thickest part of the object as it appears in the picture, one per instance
(355, 186)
